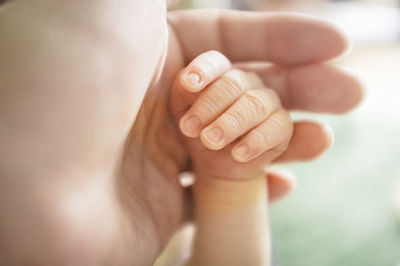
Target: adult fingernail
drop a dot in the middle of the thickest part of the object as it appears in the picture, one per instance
(193, 80)
(242, 151)
(214, 135)
(192, 125)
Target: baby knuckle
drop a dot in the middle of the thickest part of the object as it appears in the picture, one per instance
(232, 85)
(236, 74)
(287, 121)
(234, 120)
(229, 93)
(254, 79)
(279, 149)
(273, 96)
(207, 67)
(209, 105)
(259, 137)
(286, 116)
(255, 102)
(276, 123)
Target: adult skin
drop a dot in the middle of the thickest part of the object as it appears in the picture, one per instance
(90, 155)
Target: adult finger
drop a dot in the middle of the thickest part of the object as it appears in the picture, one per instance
(280, 184)
(314, 88)
(309, 140)
(170, 3)
(245, 36)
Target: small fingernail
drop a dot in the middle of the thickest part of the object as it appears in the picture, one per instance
(192, 125)
(242, 151)
(215, 135)
(192, 79)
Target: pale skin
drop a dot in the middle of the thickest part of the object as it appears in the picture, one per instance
(90, 153)
(230, 204)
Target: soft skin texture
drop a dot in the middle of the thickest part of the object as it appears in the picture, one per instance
(230, 192)
(225, 111)
(232, 222)
(73, 76)
(90, 154)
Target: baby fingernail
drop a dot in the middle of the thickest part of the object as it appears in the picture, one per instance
(192, 125)
(192, 79)
(215, 135)
(242, 151)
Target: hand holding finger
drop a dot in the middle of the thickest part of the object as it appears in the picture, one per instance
(252, 108)
(275, 132)
(216, 99)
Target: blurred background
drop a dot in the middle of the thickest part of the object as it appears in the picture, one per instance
(346, 210)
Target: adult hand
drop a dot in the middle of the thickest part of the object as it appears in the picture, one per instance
(293, 51)
(94, 188)
(291, 54)
(296, 49)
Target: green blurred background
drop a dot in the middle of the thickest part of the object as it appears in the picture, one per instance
(344, 210)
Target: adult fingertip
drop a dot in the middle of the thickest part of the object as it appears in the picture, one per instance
(327, 138)
(344, 43)
(286, 175)
(310, 140)
(356, 92)
(280, 184)
(330, 135)
(336, 40)
(312, 39)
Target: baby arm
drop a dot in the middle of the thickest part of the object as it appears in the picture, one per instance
(232, 124)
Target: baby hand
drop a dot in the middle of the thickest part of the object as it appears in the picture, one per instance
(241, 123)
